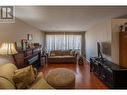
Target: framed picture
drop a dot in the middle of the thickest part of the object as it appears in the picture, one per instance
(24, 44)
(29, 37)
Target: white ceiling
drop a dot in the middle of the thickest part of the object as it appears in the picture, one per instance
(65, 18)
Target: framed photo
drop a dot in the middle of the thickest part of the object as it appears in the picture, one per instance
(29, 37)
(24, 44)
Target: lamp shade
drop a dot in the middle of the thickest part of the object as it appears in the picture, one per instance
(7, 49)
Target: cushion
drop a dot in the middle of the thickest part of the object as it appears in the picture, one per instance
(40, 83)
(72, 53)
(56, 52)
(35, 72)
(6, 84)
(66, 52)
(7, 70)
(52, 54)
(24, 77)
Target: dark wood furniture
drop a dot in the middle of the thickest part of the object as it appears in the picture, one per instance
(28, 57)
(113, 75)
(123, 49)
(44, 59)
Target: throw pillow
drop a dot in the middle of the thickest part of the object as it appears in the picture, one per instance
(35, 72)
(72, 53)
(66, 52)
(24, 77)
(52, 54)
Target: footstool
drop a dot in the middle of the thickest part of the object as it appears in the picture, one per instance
(61, 78)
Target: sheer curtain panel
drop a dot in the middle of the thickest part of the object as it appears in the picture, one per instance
(63, 42)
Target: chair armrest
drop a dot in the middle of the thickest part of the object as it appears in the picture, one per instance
(6, 83)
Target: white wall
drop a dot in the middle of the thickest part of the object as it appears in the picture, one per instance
(100, 32)
(14, 32)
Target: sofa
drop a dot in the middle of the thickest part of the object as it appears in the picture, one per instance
(62, 56)
(6, 78)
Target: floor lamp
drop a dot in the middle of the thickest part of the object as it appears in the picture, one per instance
(8, 49)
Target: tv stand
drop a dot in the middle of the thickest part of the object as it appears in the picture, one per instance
(113, 75)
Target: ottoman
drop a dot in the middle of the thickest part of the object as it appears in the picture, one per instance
(61, 78)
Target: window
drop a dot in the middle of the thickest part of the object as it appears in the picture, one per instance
(63, 42)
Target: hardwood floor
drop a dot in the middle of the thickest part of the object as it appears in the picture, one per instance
(84, 78)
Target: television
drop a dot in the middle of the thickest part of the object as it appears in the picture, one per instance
(99, 53)
(104, 50)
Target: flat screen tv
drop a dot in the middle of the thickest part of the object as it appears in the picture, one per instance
(106, 48)
(99, 50)
(103, 50)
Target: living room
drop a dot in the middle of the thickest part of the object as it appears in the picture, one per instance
(59, 41)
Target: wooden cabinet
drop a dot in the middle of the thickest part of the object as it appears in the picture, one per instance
(20, 60)
(27, 57)
(113, 75)
(123, 49)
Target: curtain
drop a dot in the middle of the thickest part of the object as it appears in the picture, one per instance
(63, 42)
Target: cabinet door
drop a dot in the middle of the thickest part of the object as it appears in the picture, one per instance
(20, 60)
(123, 49)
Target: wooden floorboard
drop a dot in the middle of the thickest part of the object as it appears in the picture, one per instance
(84, 78)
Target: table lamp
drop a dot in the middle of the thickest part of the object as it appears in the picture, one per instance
(8, 49)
